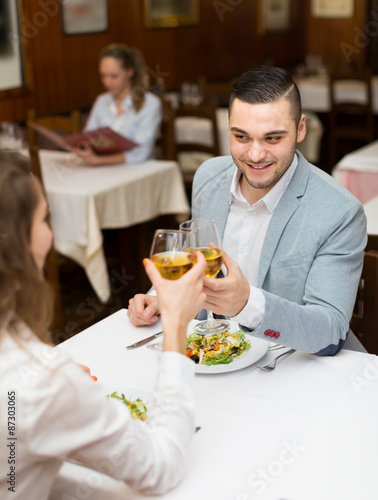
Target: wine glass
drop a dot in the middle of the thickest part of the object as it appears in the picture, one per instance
(203, 236)
(196, 97)
(186, 96)
(171, 253)
(10, 136)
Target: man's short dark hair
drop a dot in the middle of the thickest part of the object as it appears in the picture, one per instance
(268, 84)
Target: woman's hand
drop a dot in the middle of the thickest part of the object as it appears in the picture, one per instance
(87, 154)
(179, 301)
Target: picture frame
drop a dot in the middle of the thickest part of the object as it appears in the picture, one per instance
(171, 13)
(274, 16)
(84, 16)
(332, 8)
(13, 54)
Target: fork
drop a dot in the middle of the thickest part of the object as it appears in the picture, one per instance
(271, 366)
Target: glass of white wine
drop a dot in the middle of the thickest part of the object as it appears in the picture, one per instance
(203, 236)
(171, 253)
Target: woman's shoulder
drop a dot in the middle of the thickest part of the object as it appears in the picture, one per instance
(152, 99)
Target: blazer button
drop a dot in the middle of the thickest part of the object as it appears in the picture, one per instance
(267, 333)
(276, 335)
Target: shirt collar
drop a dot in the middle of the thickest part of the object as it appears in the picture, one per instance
(273, 196)
(127, 103)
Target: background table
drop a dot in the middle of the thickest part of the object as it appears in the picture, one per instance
(305, 431)
(358, 172)
(371, 211)
(83, 200)
(315, 96)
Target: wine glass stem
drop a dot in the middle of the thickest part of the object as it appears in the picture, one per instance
(211, 323)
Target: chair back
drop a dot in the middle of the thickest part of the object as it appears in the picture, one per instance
(215, 91)
(205, 112)
(365, 316)
(351, 118)
(165, 142)
(68, 124)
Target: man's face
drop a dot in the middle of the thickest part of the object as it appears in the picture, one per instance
(263, 139)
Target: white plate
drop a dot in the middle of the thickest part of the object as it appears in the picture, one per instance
(258, 349)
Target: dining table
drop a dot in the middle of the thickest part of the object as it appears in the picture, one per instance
(358, 172)
(306, 430)
(84, 200)
(315, 97)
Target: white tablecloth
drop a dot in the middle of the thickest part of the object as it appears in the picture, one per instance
(315, 96)
(191, 129)
(83, 200)
(358, 172)
(305, 431)
(371, 211)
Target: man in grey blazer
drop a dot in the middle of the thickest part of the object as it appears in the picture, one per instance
(293, 237)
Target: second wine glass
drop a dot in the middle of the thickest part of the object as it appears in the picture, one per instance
(203, 236)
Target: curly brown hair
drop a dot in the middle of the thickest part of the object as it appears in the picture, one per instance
(25, 296)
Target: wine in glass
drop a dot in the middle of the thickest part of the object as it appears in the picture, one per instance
(171, 253)
(203, 236)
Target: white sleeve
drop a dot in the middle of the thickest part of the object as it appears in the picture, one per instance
(94, 118)
(146, 132)
(253, 312)
(69, 417)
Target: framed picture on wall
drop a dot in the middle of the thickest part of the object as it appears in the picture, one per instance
(84, 16)
(332, 8)
(171, 13)
(13, 64)
(274, 16)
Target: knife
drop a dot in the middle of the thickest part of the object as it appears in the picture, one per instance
(144, 341)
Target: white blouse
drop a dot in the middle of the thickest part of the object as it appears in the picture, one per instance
(140, 126)
(62, 414)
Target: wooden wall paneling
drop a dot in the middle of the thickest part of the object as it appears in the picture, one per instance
(224, 44)
(338, 40)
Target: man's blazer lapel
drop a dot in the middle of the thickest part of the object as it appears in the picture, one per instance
(282, 214)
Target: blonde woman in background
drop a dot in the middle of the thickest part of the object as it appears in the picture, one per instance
(126, 106)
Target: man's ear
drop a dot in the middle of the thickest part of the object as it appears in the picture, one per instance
(301, 132)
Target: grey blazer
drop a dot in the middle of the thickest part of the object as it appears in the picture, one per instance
(312, 255)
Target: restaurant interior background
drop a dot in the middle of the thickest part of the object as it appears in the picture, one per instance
(61, 70)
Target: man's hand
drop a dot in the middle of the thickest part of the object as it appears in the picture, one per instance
(229, 295)
(143, 310)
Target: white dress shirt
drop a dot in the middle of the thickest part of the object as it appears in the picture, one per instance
(244, 236)
(140, 126)
(62, 414)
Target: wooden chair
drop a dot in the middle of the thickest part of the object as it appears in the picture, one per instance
(365, 317)
(215, 91)
(53, 261)
(165, 142)
(206, 112)
(349, 120)
(67, 124)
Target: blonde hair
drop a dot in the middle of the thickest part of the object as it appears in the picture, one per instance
(130, 58)
(25, 296)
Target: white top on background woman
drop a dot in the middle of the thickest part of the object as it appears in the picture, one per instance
(126, 107)
(50, 410)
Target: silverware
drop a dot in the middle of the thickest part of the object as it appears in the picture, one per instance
(271, 366)
(144, 341)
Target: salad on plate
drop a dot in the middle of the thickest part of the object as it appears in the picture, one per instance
(217, 349)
